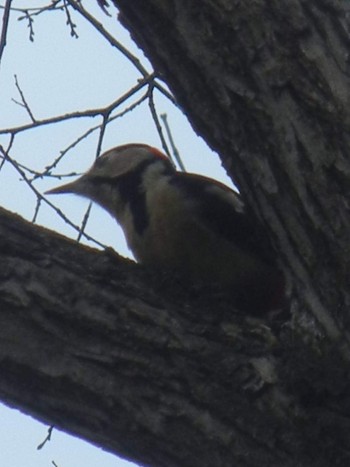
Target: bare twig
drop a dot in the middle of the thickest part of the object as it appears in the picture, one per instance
(43, 198)
(29, 13)
(36, 211)
(114, 43)
(99, 27)
(37, 174)
(154, 114)
(48, 437)
(84, 222)
(102, 133)
(5, 25)
(84, 114)
(104, 5)
(36, 11)
(176, 153)
(69, 21)
(98, 150)
(30, 25)
(6, 151)
(24, 103)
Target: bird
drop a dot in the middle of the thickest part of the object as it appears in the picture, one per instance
(185, 223)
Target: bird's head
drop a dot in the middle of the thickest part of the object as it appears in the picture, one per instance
(118, 165)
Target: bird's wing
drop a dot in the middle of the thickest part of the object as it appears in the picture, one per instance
(222, 210)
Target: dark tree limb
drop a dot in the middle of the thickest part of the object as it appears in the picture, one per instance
(160, 374)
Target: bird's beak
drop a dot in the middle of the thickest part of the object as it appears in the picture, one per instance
(72, 187)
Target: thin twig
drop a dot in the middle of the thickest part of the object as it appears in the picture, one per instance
(48, 437)
(69, 21)
(104, 5)
(114, 43)
(6, 151)
(98, 150)
(154, 114)
(5, 25)
(42, 197)
(36, 11)
(30, 25)
(102, 133)
(37, 174)
(36, 210)
(24, 102)
(99, 27)
(84, 222)
(83, 114)
(176, 153)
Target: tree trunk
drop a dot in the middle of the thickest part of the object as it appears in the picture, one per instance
(169, 376)
(267, 85)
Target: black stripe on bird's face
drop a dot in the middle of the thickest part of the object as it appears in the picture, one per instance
(133, 192)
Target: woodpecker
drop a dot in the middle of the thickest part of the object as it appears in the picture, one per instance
(183, 222)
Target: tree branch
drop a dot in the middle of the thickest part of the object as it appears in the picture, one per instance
(141, 366)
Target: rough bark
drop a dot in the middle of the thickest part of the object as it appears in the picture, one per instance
(158, 373)
(267, 85)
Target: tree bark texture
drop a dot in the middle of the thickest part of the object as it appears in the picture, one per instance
(158, 373)
(266, 83)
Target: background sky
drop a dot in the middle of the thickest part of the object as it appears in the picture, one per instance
(59, 74)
